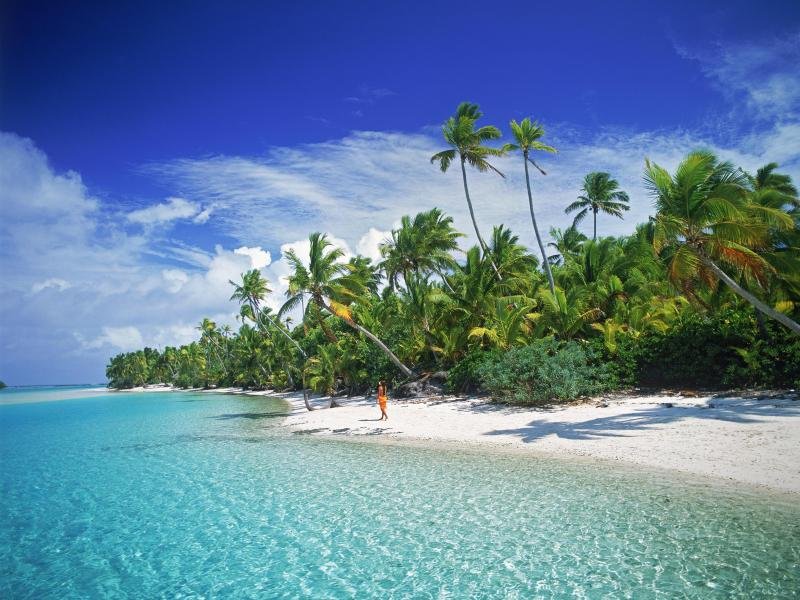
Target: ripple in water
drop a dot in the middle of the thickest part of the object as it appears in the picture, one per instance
(148, 495)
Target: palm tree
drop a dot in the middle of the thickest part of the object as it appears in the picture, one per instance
(705, 217)
(467, 142)
(527, 136)
(332, 286)
(420, 245)
(252, 291)
(567, 243)
(767, 178)
(601, 193)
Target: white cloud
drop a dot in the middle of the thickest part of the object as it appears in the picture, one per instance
(53, 282)
(203, 216)
(122, 286)
(118, 338)
(369, 244)
(175, 279)
(258, 257)
(371, 179)
(760, 74)
(171, 210)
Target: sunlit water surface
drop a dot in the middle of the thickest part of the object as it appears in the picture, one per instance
(203, 495)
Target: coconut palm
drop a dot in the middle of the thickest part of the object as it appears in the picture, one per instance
(332, 286)
(767, 178)
(706, 218)
(468, 145)
(420, 245)
(566, 243)
(252, 291)
(600, 193)
(527, 135)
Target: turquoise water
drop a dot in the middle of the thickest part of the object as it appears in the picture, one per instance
(202, 495)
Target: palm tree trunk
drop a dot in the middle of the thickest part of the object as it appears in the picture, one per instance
(594, 235)
(444, 280)
(383, 347)
(302, 352)
(321, 320)
(758, 304)
(545, 264)
(482, 244)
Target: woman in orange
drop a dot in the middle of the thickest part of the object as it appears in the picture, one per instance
(382, 399)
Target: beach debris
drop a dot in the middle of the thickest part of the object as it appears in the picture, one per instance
(430, 384)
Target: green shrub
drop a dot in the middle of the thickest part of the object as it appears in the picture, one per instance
(464, 377)
(545, 371)
(727, 348)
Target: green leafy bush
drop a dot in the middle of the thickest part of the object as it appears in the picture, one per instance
(545, 371)
(728, 348)
(464, 376)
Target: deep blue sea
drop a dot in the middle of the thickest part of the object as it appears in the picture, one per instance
(121, 495)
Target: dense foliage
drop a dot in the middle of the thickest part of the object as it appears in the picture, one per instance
(705, 294)
(542, 371)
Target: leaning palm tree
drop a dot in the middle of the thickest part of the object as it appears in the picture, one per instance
(468, 144)
(252, 291)
(333, 285)
(600, 193)
(705, 217)
(527, 134)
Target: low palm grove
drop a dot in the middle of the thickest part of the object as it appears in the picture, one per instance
(706, 293)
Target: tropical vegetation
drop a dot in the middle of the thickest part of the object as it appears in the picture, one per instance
(706, 293)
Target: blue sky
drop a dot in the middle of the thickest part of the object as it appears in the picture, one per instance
(151, 151)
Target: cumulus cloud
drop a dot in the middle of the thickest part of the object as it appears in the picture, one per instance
(258, 257)
(369, 244)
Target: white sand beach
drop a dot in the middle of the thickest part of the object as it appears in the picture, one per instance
(754, 439)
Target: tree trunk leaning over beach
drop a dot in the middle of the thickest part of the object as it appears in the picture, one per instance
(743, 293)
(383, 347)
(327, 277)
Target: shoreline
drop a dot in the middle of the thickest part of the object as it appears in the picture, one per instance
(750, 440)
(742, 439)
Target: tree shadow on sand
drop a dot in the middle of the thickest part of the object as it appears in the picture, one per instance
(731, 410)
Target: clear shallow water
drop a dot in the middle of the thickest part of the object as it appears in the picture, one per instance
(201, 495)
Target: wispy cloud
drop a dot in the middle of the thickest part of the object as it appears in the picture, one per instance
(114, 284)
(759, 77)
(171, 210)
(369, 95)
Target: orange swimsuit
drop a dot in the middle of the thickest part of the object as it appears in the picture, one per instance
(382, 400)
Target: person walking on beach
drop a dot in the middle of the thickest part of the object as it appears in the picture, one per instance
(382, 399)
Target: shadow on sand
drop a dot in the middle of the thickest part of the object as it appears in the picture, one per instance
(730, 410)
